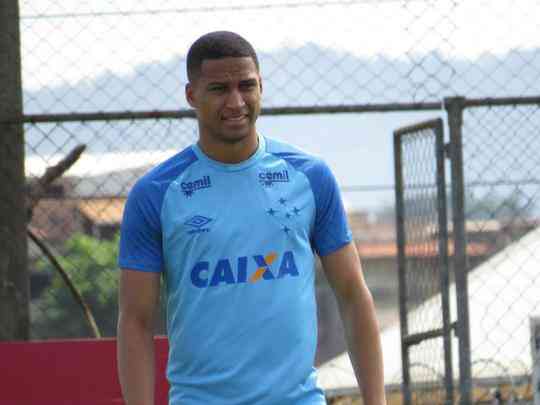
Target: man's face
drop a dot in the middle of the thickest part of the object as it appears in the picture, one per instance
(227, 98)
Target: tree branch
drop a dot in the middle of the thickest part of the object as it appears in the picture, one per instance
(35, 191)
(65, 276)
(38, 188)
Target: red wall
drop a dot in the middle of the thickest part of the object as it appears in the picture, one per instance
(74, 372)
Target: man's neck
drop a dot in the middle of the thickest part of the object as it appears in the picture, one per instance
(230, 152)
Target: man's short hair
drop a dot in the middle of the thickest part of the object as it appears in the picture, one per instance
(217, 45)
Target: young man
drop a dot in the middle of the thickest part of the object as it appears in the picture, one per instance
(231, 224)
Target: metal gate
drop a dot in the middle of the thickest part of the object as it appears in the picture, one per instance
(423, 264)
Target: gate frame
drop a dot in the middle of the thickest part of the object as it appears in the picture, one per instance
(454, 107)
(410, 340)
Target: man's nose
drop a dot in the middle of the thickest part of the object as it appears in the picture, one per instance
(235, 99)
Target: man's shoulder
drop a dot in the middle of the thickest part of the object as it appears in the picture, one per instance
(294, 155)
(161, 175)
(312, 166)
(171, 168)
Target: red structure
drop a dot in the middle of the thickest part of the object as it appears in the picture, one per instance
(68, 372)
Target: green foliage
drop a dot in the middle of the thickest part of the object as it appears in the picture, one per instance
(91, 265)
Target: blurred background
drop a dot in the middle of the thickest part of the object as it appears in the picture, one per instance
(340, 78)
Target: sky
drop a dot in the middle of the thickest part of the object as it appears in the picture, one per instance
(74, 42)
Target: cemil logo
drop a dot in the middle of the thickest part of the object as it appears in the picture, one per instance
(267, 179)
(244, 269)
(196, 224)
(189, 187)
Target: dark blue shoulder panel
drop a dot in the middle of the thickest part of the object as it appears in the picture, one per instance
(140, 234)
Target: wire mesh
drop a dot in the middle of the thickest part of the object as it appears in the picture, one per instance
(501, 160)
(79, 216)
(423, 266)
(421, 229)
(116, 55)
(127, 55)
(429, 383)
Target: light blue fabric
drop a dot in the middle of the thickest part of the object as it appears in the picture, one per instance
(235, 243)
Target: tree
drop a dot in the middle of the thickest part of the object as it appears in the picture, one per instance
(91, 265)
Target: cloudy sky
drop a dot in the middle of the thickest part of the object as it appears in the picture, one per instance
(75, 40)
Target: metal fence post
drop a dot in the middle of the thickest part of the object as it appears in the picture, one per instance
(402, 268)
(454, 107)
(444, 263)
(14, 282)
(535, 352)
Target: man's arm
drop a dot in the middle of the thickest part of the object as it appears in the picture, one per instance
(138, 307)
(344, 273)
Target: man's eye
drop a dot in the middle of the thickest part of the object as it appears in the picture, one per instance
(217, 88)
(247, 86)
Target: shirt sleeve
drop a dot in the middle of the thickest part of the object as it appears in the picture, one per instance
(140, 232)
(331, 230)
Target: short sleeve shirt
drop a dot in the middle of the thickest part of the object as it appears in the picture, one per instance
(236, 244)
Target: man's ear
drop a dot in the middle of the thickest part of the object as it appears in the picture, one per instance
(189, 95)
(260, 84)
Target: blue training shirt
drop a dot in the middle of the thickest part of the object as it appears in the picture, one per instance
(236, 245)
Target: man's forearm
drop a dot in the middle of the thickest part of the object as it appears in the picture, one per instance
(362, 332)
(136, 366)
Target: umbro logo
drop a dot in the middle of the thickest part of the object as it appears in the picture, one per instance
(268, 178)
(189, 187)
(197, 223)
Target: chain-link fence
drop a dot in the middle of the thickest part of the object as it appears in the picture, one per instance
(79, 217)
(493, 244)
(423, 263)
(129, 55)
(501, 152)
(82, 57)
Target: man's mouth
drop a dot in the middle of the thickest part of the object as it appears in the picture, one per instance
(235, 118)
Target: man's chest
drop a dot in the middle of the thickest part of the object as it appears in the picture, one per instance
(214, 209)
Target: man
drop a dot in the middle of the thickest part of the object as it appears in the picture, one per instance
(231, 224)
